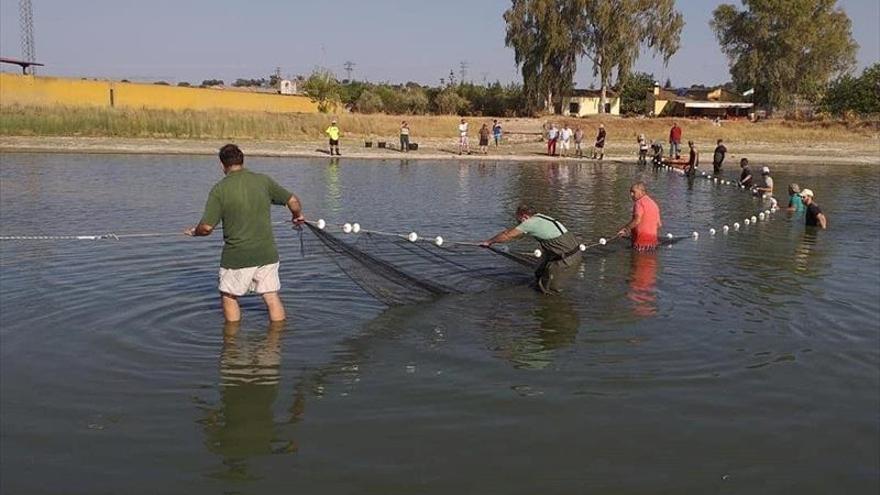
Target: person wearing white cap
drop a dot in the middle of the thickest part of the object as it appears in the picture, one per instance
(814, 216)
(765, 189)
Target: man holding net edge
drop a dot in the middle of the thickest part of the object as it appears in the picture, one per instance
(249, 262)
(560, 250)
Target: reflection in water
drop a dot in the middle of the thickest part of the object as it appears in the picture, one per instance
(643, 283)
(333, 198)
(557, 329)
(243, 425)
(804, 250)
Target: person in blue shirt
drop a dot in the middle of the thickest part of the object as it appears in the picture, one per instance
(795, 202)
(496, 132)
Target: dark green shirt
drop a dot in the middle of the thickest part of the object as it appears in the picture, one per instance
(241, 201)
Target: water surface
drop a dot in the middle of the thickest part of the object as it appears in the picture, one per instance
(745, 363)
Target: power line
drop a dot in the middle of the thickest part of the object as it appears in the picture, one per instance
(26, 19)
(349, 67)
(463, 67)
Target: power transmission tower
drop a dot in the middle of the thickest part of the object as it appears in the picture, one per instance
(26, 18)
(462, 69)
(349, 67)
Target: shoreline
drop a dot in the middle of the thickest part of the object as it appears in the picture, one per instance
(866, 153)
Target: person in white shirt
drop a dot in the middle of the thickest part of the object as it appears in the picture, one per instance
(463, 138)
(565, 139)
(552, 138)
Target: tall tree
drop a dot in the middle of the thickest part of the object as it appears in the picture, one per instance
(784, 48)
(611, 33)
(541, 33)
(549, 36)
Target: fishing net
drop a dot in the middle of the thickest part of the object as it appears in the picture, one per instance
(397, 271)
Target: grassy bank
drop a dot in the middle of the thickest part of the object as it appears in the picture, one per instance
(144, 123)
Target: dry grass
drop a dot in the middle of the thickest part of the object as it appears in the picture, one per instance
(143, 123)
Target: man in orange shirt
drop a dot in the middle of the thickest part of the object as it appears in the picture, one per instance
(645, 224)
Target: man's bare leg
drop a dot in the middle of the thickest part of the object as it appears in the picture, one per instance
(275, 307)
(231, 311)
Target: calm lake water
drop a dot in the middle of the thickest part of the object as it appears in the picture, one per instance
(745, 363)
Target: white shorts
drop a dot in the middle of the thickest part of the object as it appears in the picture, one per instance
(565, 145)
(258, 279)
(463, 140)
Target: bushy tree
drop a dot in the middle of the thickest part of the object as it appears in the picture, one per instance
(634, 93)
(323, 88)
(369, 102)
(448, 102)
(784, 48)
(855, 94)
(212, 82)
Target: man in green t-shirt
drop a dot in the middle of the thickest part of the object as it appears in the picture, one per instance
(560, 250)
(249, 262)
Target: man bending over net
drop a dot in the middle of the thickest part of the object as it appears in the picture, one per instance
(560, 252)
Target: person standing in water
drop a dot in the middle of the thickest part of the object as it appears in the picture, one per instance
(333, 133)
(560, 250)
(693, 160)
(249, 262)
(643, 150)
(745, 178)
(718, 157)
(644, 226)
(795, 202)
(814, 216)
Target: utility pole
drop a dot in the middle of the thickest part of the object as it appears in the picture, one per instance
(463, 67)
(26, 18)
(349, 67)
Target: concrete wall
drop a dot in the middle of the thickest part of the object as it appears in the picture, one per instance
(588, 105)
(18, 89)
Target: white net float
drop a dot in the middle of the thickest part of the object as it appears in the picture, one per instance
(321, 223)
(355, 227)
(669, 236)
(761, 216)
(736, 226)
(711, 231)
(696, 235)
(754, 219)
(725, 229)
(346, 227)
(438, 240)
(747, 221)
(412, 237)
(582, 247)
(603, 241)
(537, 253)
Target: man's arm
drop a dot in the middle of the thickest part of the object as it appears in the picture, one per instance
(295, 208)
(199, 230)
(627, 229)
(503, 236)
(823, 223)
(745, 179)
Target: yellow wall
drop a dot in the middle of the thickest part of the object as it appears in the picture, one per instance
(48, 91)
(589, 105)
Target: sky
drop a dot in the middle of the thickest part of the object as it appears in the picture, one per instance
(388, 40)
